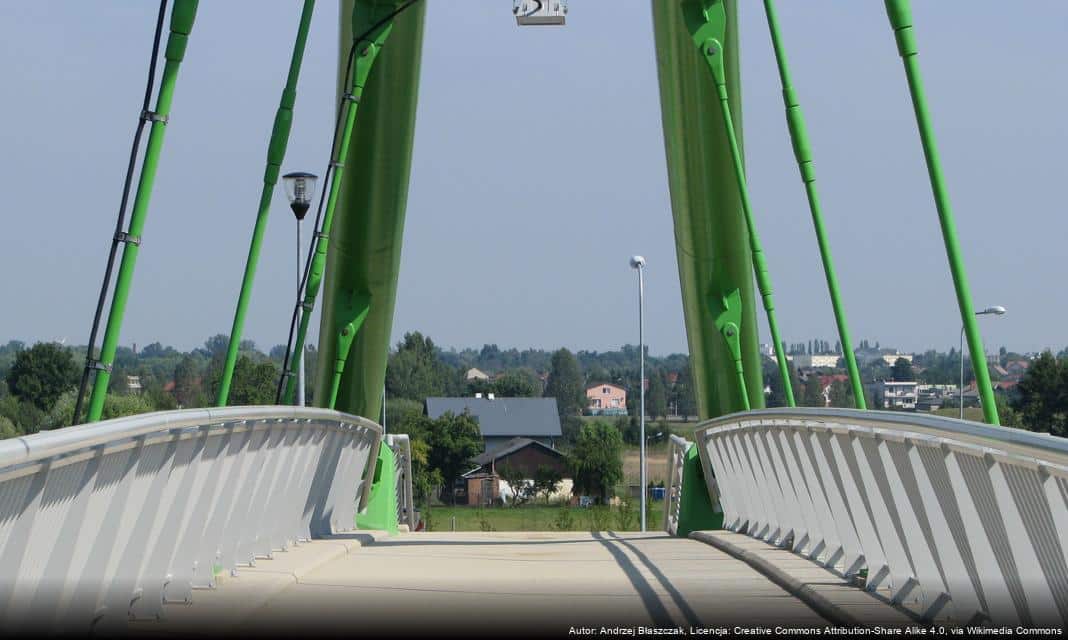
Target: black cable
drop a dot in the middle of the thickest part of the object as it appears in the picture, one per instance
(328, 176)
(121, 219)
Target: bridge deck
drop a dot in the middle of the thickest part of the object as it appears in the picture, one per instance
(486, 583)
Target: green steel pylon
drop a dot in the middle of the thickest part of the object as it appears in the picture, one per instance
(900, 15)
(365, 50)
(799, 138)
(276, 152)
(349, 318)
(707, 23)
(183, 14)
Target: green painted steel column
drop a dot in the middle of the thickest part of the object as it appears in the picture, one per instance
(802, 151)
(381, 511)
(276, 153)
(696, 511)
(183, 14)
(710, 236)
(365, 247)
(365, 14)
(900, 14)
(707, 24)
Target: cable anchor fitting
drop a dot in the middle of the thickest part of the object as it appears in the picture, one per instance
(98, 366)
(152, 116)
(122, 236)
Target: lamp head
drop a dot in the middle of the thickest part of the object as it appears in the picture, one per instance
(300, 187)
(997, 310)
(637, 262)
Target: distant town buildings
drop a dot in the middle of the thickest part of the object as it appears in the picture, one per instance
(816, 361)
(606, 400)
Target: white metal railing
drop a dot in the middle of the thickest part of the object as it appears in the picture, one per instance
(103, 523)
(402, 475)
(952, 519)
(677, 448)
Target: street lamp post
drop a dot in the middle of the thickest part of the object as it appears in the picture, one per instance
(300, 186)
(996, 310)
(638, 263)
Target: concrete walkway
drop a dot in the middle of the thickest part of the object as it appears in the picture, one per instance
(489, 584)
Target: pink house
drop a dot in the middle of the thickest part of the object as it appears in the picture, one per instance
(606, 400)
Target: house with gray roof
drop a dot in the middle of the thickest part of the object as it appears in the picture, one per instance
(502, 419)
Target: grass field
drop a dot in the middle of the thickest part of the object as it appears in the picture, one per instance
(970, 413)
(542, 518)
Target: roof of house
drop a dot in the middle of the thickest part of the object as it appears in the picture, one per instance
(503, 416)
(594, 387)
(513, 445)
(476, 374)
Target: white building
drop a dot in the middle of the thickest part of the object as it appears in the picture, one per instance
(891, 358)
(895, 395)
(820, 361)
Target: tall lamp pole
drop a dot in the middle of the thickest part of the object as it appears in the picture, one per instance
(300, 186)
(996, 310)
(638, 263)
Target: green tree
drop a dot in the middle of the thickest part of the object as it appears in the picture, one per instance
(42, 373)
(115, 406)
(517, 383)
(656, 402)
(777, 397)
(1042, 400)
(406, 416)
(8, 429)
(415, 372)
(902, 371)
(25, 415)
(453, 441)
(565, 384)
(813, 393)
(187, 385)
(596, 460)
(217, 345)
(252, 383)
(684, 396)
(523, 489)
(547, 481)
(841, 394)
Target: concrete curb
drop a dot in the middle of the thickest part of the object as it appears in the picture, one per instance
(346, 544)
(800, 590)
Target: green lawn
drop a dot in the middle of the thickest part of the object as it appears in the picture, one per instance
(974, 414)
(542, 518)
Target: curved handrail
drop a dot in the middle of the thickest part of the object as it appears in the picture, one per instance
(43, 444)
(104, 522)
(402, 464)
(677, 448)
(1043, 441)
(952, 519)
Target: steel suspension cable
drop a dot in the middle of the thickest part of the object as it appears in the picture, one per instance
(799, 138)
(276, 150)
(183, 15)
(116, 240)
(899, 13)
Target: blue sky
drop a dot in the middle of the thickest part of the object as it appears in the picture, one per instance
(492, 256)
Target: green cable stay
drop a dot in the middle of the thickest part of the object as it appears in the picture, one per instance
(276, 152)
